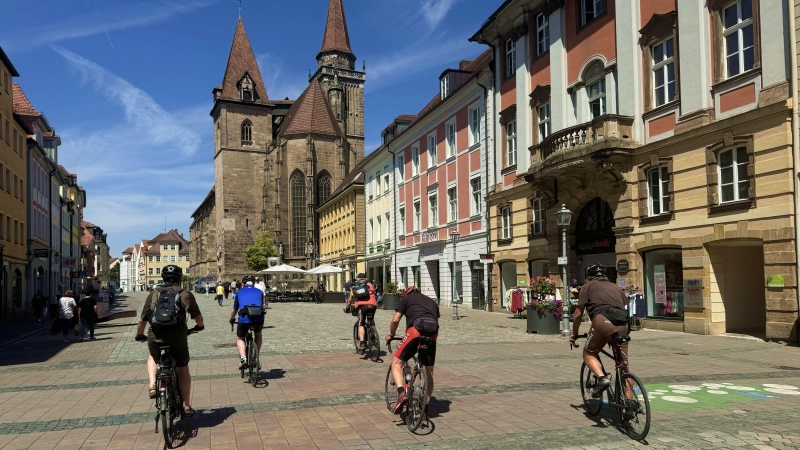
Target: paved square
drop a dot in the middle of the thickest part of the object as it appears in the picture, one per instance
(496, 387)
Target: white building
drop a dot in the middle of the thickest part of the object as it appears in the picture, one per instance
(127, 274)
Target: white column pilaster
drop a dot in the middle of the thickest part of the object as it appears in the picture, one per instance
(523, 81)
(560, 103)
(695, 63)
(629, 67)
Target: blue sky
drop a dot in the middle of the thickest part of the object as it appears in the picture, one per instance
(127, 83)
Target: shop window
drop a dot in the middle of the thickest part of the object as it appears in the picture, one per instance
(404, 275)
(664, 283)
(538, 268)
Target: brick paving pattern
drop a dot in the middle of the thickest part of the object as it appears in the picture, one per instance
(496, 387)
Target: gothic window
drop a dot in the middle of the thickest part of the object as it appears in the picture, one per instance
(299, 207)
(324, 190)
(247, 132)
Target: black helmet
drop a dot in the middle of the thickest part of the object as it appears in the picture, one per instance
(248, 279)
(171, 273)
(595, 271)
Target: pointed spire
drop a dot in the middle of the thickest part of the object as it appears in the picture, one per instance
(336, 38)
(242, 61)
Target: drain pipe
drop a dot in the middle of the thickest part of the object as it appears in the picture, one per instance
(795, 144)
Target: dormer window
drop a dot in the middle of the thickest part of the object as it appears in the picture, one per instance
(444, 85)
(246, 89)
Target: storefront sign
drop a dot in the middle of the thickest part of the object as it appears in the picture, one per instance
(692, 293)
(522, 282)
(69, 263)
(42, 253)
(661, 287)
(430, 236)
(623, 266)
(622, 282)
(435, 251)
(597, 242)
(775, 281)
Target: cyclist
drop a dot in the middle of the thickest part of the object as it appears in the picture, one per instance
(249, 304)
(172, 335)
(363, 295)
(605, 303)
(422, 319)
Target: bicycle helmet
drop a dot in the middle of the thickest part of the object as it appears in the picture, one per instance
(595, 271)
(248, 279)
(171, 273)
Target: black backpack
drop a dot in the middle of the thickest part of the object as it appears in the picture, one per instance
(168, 310)
(361, 290)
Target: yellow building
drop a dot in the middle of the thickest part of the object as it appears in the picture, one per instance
(341, 230)
(166, 248)
(13, 201)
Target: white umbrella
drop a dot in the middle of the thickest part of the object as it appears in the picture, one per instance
(283, 268)
(325, 269)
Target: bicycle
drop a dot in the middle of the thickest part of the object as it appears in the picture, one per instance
(251, 350)
(371, 336)
(627, 393)
(415, 382)
(169, 404)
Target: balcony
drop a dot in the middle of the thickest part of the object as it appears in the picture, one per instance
(582, 146)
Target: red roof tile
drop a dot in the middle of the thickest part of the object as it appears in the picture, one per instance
(128, 251)
(21, 104)
(336, 38)
(310, 114)
(240, 61)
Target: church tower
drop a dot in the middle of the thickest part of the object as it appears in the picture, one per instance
(342, 83)
(242, 115)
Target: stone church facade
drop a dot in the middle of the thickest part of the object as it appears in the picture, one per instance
(276, 161)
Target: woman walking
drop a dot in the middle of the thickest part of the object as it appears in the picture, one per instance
(66, 312)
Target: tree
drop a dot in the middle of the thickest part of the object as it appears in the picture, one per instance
(114, 274)
(256, 255)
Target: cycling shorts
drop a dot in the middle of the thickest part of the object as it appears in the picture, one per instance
(179, 352)
(364, 312)
(600, 335)
(242, 328)
(411, 342)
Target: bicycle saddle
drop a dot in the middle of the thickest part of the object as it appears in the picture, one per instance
(425, 340)
(618, 339)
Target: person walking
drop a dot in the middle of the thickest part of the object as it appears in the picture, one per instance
(38, 303)
(66, 311)
(206, 288)
(220, 293)
(227, 289)
(87, 312)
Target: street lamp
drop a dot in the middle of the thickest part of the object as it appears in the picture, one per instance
(563, 218)
(454, 239)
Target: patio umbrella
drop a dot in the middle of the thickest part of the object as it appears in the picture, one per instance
(325, 269)
(283, 268)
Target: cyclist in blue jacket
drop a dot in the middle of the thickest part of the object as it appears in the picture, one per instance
(249, 304)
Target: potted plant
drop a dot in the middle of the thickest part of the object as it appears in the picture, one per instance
(544, 311)
(391, 297)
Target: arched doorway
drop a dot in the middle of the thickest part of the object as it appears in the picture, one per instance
(595, 242)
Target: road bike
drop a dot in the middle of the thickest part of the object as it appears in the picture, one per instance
(169, 404)
(251, 350)
(626, 393)
(373, 347)
(415, 382)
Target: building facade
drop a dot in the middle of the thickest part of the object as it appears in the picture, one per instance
(165, 249)
(203, 234)
(379, 210)
(275, 162)
(442, 168)
(665, 126)
(127, 271)
(13, 196)
(341, 225)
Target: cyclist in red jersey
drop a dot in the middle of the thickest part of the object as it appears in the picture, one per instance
(422, 319)
(366, 307)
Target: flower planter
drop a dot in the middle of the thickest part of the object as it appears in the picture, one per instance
(390, 301)
(545, 323)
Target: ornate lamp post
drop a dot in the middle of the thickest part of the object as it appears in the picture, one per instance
(563, 218)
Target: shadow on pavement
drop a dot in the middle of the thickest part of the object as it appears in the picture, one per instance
(274, 374)
(206, 418)
(437, 407)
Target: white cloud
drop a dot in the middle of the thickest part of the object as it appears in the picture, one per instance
(279, 83)
(434, 11)
(117, 18)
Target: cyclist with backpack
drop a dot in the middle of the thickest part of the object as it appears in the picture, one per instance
(605, 303)
(363, 295)
(165, 310)
(249, 304)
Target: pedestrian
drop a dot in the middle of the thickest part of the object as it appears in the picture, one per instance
(234, 287)
(87, 312)
(227, 289)
(38, 303)
(206, 288)
(220, 293)
(52, 307)
(66, 312)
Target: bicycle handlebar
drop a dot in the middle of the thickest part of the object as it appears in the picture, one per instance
(389, 342)
(572, 343)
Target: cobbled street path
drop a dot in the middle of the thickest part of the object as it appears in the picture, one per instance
(496, 387)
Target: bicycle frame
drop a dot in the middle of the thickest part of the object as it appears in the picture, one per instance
(620, 369)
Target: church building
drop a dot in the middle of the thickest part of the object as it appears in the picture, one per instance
(276, 161)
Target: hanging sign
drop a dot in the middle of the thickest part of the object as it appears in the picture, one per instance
(661, 287)
(42, 253)
(623, 266)
(69, 263)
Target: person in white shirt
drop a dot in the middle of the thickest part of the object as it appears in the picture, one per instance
(66, 311)
(260, 285)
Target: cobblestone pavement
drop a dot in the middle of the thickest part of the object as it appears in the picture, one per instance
(496, 387)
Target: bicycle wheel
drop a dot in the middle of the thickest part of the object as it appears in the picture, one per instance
(417, 396)
(635, 411)
(390, 390)
(374, 344)
(588, 381)
(166, 412)
(355, 338)
(252, 362)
